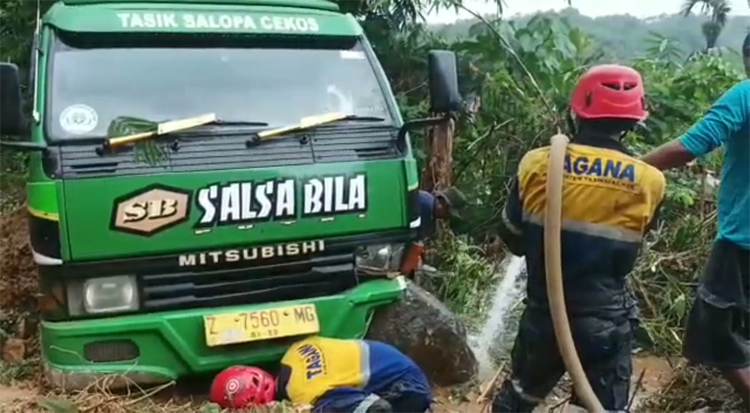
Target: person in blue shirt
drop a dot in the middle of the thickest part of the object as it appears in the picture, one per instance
(717, 333)
(441, 205)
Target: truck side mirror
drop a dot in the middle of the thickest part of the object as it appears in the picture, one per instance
(11, 120)
(444, 94)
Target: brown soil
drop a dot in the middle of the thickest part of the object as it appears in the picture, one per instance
(18, 288)
(18, 283)
(450, 402)
(695, 389)
(657, 374)
(15, 394)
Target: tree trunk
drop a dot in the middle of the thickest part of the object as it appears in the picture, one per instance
(437, 173)
(711, 31)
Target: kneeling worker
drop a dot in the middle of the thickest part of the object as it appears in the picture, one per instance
(332, 375)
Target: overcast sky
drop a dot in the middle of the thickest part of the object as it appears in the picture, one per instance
(594, 8)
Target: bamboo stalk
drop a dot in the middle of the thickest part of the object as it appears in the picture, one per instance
(164, 128)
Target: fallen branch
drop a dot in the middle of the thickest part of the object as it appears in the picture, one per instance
(483, 399)
(638, 387)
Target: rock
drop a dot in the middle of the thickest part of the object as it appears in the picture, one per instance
(424, 329)
(14, 350)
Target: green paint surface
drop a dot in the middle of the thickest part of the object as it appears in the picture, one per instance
(42, 197)
(173, 344)
(412, 175)
(91, 203)
(312, 4)
(193, 17)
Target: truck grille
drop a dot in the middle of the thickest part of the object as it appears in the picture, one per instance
(224, 151)
(111, 351)
(319, 276)
(164, 285)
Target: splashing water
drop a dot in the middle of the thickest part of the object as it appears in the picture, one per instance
(508, 293)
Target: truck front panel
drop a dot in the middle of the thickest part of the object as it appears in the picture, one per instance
(203, 212)
(169, 256)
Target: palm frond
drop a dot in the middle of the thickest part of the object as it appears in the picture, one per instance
(688, 5)
(720, 11)
(148, 151)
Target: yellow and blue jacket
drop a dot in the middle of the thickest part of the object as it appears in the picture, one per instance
(317, 368)
(609, 201)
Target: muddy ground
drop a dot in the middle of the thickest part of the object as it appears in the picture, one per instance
(665, 386)
(30, 396)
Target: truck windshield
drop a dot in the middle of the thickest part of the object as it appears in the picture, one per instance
(91, 86)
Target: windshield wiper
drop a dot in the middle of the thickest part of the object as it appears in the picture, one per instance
(220, 122)
(308, 123)
(168, 127)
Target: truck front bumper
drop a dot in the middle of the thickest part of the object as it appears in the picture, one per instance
(160, 347)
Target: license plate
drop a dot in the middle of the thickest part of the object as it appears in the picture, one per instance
(243, 327)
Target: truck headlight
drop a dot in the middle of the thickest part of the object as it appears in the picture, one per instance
(383, 258)
(103, 295)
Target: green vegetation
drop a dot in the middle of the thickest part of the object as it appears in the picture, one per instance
(522, 72)
(523, 78)
(687, 31)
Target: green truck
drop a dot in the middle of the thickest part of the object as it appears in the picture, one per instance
(209, 180)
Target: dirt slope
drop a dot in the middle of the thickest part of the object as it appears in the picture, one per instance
(17, 272)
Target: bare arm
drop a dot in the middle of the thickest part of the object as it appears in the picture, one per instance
(670, 155)
(725, 118)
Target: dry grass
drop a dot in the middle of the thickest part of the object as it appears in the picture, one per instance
(98, 399)
(692, 388)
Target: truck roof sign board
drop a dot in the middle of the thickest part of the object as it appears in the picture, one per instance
(219, 21)
(200, 19)
(310, 4)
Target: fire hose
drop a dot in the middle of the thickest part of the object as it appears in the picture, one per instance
(553, 264)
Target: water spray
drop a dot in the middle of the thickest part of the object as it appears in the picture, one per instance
(553, 264)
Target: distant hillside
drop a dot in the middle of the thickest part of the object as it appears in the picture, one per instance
(623, 36)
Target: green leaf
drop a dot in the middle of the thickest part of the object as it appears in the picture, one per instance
(148, 151)
(58, 406)
(210, 408)
(126, 125)
(680, 305)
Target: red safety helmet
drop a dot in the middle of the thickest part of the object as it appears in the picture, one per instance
(239, 387)
(610, 91)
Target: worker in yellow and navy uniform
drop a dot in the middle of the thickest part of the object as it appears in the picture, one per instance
(609, 201)
(348, 376)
